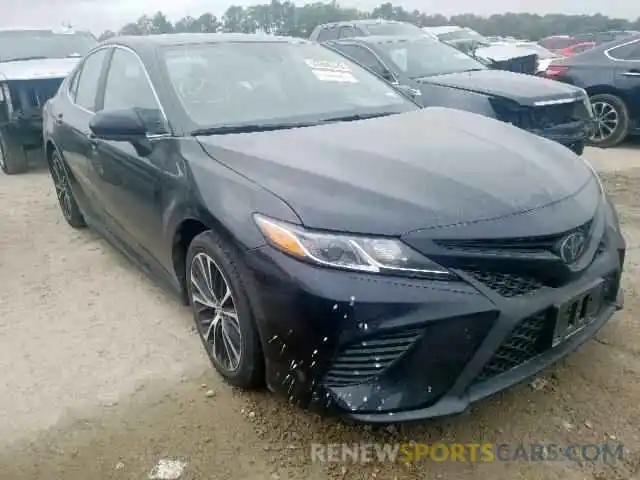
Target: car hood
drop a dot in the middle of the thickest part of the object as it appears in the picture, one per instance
(37, 69)
(524, 89)
(390, 175)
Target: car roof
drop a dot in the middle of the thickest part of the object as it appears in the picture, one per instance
(378, 39)
(443, 29)
(363, 22)
(170, 39)
(42, 29)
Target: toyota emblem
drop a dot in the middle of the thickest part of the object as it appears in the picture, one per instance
(572, 247)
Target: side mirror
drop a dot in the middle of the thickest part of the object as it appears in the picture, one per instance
(122, 125)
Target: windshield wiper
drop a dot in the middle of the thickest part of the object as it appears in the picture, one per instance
(249, 128)
(357, 116)
(20, 59)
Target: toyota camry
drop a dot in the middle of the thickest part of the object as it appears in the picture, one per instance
(335, 241)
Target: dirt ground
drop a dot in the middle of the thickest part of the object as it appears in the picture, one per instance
(102, 375)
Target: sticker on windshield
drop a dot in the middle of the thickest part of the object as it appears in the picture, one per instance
(329, 76)
(327, 66)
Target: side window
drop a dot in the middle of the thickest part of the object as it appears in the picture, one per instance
(73, 85)
(127, 86)
(347, 32)
(87, 79)
(627, 52)
(364, 57)
(328, 33)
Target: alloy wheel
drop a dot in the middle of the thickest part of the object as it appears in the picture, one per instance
(606, 121)
(216, 313)
(61, 184)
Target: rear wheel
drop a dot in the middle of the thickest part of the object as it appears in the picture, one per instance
(13, 158)
(68, 205)
(611, 120)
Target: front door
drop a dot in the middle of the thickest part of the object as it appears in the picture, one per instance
(129, 182)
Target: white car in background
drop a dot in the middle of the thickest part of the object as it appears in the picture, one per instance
(504, 55)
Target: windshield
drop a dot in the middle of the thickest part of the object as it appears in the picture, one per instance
(17, 45)
(242, 83)
(425, 58)
(393, 29)
(462, 34)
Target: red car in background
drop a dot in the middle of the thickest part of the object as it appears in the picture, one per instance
(577, 48)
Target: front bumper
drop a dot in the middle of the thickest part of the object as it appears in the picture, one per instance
(388, 350)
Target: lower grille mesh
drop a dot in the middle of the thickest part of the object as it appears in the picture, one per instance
(361, 361)
(507, 284)
(526, 341)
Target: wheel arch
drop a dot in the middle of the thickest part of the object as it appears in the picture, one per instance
(185, 231)
(605, 90)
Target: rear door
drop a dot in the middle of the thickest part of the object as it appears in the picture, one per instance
(627, 74)
(72, 116)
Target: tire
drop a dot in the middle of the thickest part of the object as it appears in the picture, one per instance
(612, 106)
(578, 148)
(67, 201)
(13, 158)
(249, 372)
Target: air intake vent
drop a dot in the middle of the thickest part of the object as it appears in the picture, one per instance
(361, 361)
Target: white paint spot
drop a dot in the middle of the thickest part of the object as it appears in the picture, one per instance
(352, 301)
(167, 469)
(335, 307)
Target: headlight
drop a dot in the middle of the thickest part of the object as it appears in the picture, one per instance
(350, 252)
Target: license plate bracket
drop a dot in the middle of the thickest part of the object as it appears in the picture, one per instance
(572, 316)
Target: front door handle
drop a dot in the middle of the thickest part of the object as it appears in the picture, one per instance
(632, 73)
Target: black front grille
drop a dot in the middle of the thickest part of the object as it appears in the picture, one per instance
(543, 117)
(361, 361)
(520, 245)
(527, 340)
(507, 284)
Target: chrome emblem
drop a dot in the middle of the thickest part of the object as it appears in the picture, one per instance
(572, 247)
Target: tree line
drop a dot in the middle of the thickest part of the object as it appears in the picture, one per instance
(285, 18)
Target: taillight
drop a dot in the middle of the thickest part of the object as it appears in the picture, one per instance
(556, 70)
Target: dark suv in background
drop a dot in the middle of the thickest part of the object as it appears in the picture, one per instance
(436, 74)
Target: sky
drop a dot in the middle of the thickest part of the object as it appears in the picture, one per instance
(100, 15)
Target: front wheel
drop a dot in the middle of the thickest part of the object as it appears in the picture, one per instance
(222, 312)
(13, 158)
(611, 124)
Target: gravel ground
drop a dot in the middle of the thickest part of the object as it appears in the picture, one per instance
(102, 375)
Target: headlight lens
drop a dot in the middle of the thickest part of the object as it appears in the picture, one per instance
(351, 252)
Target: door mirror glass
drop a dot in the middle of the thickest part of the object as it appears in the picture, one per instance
(123, 125)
